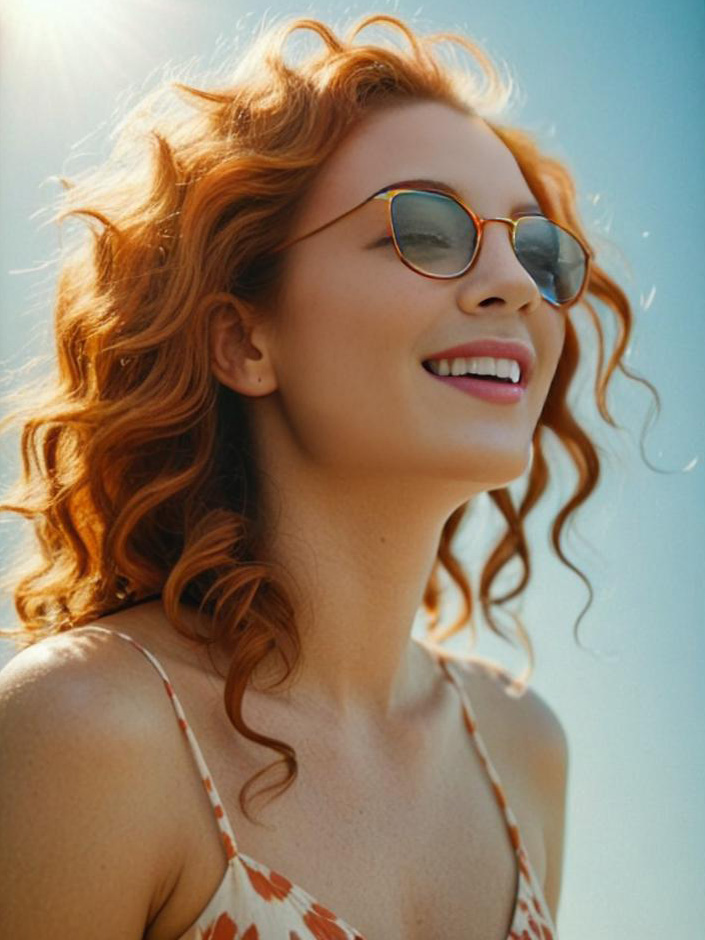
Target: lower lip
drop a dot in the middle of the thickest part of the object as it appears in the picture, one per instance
(483, 388)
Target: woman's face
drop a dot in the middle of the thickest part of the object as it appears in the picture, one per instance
(348, 343)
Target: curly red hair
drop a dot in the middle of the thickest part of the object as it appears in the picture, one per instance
(137, 472)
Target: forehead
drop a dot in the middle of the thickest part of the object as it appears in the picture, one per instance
(410, 141)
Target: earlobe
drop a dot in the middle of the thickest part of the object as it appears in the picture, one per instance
(240, 355)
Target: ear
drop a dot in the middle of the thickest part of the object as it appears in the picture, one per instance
(240, 350)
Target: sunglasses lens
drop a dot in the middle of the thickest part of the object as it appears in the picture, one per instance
(438, 237)
(553, 257)
(433, 232)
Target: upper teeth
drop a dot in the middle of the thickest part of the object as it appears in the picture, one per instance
(484, 365)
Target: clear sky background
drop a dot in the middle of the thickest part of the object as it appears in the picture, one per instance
(617, 90)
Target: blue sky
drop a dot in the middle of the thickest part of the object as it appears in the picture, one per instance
(618, 91)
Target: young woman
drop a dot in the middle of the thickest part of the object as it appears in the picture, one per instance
(332, 311)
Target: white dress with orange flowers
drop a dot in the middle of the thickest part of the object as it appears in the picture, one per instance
(254, 902)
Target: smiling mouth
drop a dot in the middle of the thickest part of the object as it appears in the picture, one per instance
(471, 375)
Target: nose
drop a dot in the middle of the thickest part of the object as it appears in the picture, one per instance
(496, 275)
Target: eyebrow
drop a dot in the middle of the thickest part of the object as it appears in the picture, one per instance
(447, 188)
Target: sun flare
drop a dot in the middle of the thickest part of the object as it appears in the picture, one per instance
(66, 39)
(39, 15)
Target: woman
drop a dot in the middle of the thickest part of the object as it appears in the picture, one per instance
(245, 481)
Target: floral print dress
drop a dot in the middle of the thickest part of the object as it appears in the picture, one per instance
(254, 902)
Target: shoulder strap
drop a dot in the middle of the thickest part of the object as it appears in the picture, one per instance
(221, 817)
(449, 666)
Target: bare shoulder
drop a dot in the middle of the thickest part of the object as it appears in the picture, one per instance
(521, 723)
(77, 809)
(90, 680)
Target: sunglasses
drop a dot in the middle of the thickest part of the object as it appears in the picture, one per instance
(439, 236)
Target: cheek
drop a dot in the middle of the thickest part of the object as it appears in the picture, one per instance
(550, 332)
(344, 353)
(343, 328)
(558, 337)
(550, 340)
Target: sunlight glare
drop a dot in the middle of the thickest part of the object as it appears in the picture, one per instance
(64, 40)
(40, 15)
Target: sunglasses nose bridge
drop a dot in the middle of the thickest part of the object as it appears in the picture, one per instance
(510, 222)
(483, 222)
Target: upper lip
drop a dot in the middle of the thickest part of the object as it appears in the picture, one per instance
(497, 348)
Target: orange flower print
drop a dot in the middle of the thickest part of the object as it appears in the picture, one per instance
(323, 924)
(224, 928)
(523, 867)
(273, 887)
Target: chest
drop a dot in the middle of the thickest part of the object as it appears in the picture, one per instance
(412, 847)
